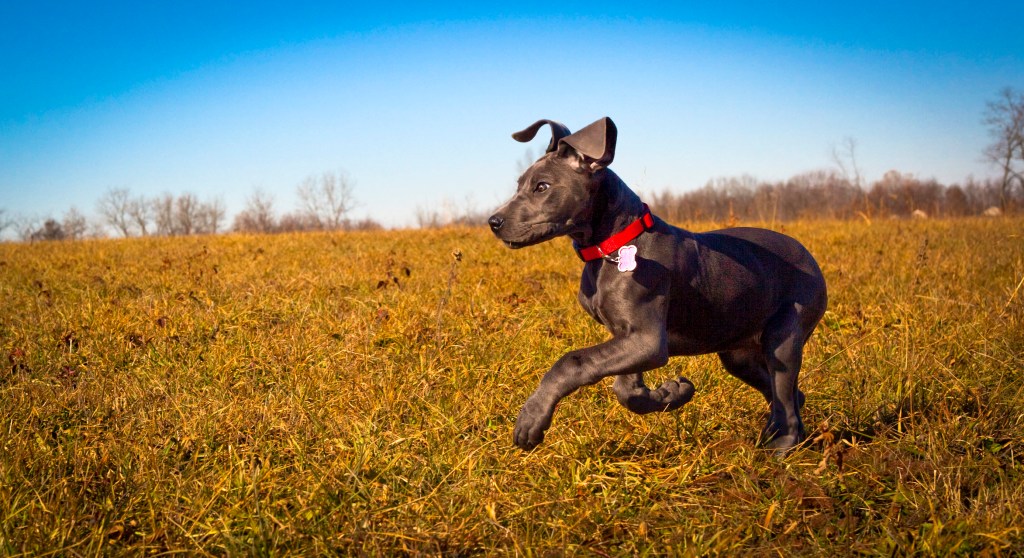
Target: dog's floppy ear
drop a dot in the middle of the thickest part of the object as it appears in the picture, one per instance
(558, 131)
(595, 144)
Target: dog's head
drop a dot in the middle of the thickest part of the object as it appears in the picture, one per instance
(555, 195)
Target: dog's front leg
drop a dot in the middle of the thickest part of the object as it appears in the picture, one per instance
(634, 395)
(624, 354)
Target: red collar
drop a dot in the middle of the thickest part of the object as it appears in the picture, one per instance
(619, 239)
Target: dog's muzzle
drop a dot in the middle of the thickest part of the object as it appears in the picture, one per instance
(520, 235)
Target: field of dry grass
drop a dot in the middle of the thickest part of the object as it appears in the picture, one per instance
(355, 394)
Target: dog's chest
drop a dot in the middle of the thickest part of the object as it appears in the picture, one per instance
(601, 294)
(588, 295)
(588, 304)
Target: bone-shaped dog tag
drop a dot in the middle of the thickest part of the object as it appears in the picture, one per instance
(627, 258)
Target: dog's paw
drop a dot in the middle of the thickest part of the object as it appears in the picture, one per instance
(781, 445)
(674, 394)
(530, 426)
(670, 396)
(771, 439)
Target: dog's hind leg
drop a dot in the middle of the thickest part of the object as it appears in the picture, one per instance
(749, 365)
(782, 343)
(634, 395)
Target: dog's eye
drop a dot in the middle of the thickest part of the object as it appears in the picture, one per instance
(541, 187)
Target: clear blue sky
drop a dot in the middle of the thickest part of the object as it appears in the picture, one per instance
(416, 102)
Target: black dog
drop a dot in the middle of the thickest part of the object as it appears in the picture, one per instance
(751, 295)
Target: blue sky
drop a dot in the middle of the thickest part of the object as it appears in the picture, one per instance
(416, 103)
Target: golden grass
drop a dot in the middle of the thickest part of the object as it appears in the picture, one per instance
(355, 394)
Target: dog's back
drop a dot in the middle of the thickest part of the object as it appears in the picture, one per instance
(779, 252)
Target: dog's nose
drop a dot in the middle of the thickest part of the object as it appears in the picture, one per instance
(496, 221)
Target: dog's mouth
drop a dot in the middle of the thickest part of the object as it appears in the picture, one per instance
(515, 245)
(528, 234)
(518, 245)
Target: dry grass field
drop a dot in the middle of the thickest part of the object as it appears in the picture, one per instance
(354, 394)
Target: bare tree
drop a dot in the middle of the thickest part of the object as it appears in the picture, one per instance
(140, 212)
(1005, 119)
(25, 226)
(187, 214)
(258, 215)
(844, 155)
(74, 225)
(327, 200)
(114, 208)
(210, 217)
(162, 209)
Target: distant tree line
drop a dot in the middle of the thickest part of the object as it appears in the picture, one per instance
(841, 193)
(73, 225)
(126, 215)
(449, 213)
(324, 204)
(828, 194)
(165, 215)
